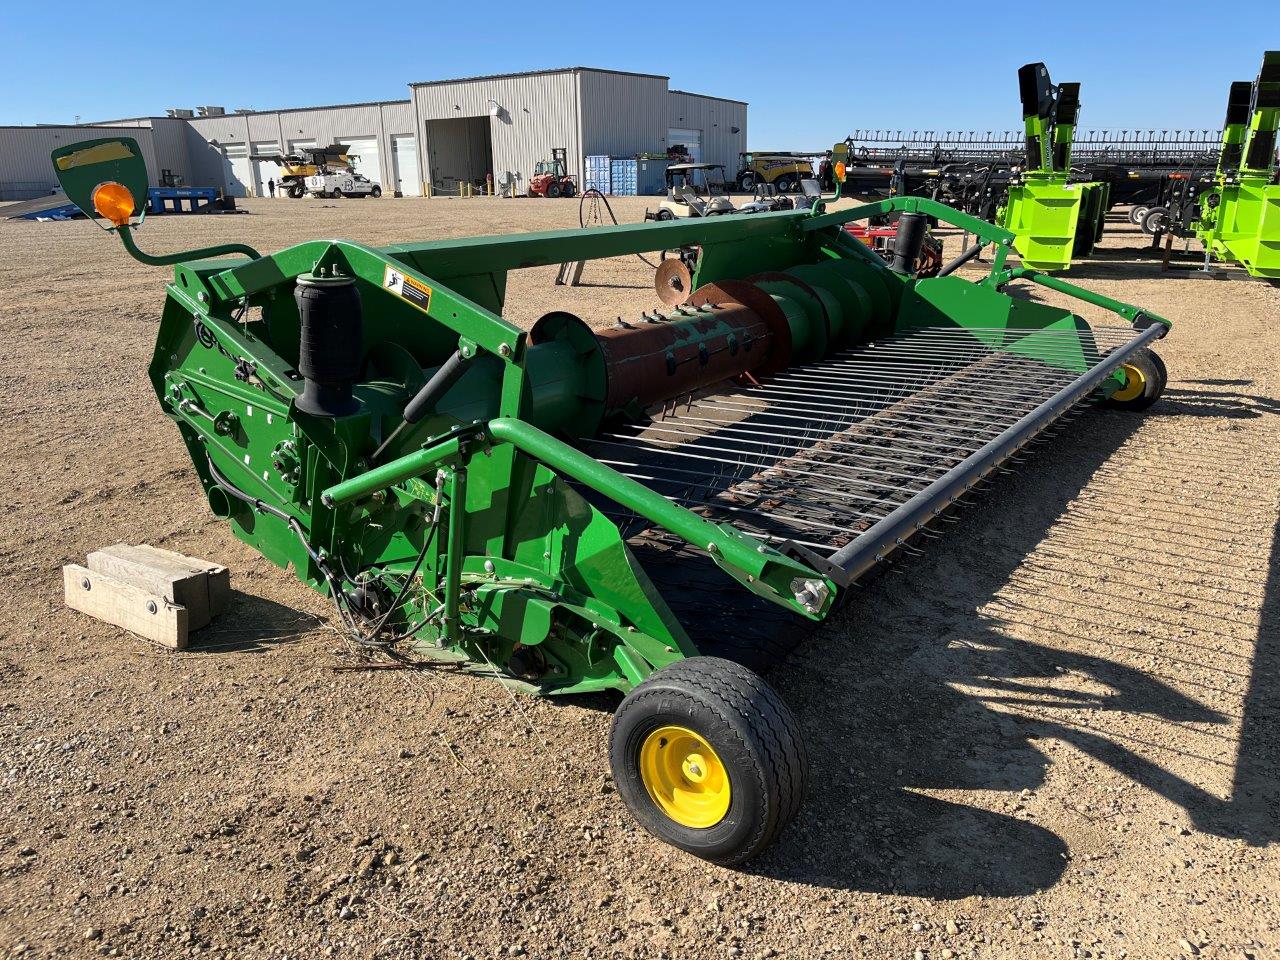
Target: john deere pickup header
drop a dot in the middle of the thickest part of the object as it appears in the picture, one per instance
(568, 509)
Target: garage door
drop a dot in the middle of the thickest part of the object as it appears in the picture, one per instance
(691, 140)
(404, 152)
(264, 170)
(237, 173)
(366, 148)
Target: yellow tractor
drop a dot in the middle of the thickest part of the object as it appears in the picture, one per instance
(782, 171)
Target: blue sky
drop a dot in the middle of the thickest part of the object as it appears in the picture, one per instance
(810, 77)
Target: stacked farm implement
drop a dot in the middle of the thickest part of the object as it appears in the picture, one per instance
(1052, 189)
(1026, 183)
(658, 507)
(1233, 209)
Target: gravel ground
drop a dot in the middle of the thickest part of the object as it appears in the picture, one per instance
(1054, 734)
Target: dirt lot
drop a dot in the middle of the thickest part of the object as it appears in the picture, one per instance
(1054, 734)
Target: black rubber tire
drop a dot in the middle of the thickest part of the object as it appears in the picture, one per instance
(754, 735)
(1137, 213)
(664, 214)
(1153, 372)
(336, 194)
(1156, 218)
(747, 183)
(553, 191)
(296, 192)
(568, 190)
(784, 184)
(375, 192)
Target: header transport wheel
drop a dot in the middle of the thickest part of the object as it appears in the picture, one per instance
(709, 759)
(1144, 382)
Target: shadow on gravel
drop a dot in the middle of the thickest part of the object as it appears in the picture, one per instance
(1214, 403)
(876, 694)
(1253, 811)
(252, 624)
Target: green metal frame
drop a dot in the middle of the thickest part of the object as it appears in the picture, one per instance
(1240, 216)
(474, 522)
(1052, 219)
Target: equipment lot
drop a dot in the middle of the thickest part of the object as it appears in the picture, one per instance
(1054, 735)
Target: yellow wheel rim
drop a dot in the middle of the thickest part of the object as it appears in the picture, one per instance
(685, 777)
(1134, 384)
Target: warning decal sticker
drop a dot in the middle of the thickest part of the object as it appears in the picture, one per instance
(407, 288)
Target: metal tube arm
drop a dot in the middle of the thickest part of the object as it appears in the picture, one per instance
(1135, 315)
(987, 232)
(168, 259)
(757, 566)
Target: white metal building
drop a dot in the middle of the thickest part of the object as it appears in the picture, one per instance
(448, 131)
(504, 124)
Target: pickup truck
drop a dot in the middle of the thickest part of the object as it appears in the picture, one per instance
(342, 185)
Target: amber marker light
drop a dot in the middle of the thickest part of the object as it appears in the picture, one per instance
(113, 202)
(840, 169)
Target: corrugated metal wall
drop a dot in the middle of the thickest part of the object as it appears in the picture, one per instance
(716, 119)
(24, 156)
(324, 125)
(538, 112)
(623, 115)
(585, 111)
(169, 139)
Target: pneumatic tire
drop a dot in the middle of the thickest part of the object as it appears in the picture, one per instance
(1145, 380)
(1155, 220)
(709, 759)
(1137, 214)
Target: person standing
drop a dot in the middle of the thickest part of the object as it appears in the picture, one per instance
(271, 186)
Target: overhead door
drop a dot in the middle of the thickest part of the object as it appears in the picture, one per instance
(237, 173)
(365, 149)
(691, 140)
(264, 170)
(404, 154)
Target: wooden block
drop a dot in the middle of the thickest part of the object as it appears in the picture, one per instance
(157, 576)
(133, 608)
(219, 576)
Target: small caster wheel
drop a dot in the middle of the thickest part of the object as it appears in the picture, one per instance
(1145, 378)
(709, 759)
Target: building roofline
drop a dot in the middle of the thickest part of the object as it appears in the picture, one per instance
(707, 96)
(250, 113)
(538, 73)
(327, 106)
(60, 126)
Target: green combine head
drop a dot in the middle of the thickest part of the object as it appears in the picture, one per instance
(1239, 218)
(1052, 219)
(660, 507)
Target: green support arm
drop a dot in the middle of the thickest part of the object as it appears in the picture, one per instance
(389, 474)
(987, 232)
(1126, 310)
(169, 259)
(757, 566)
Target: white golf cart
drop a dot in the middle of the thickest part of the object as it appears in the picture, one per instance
(693, 190)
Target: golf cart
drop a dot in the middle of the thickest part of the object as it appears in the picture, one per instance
(692, 191)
